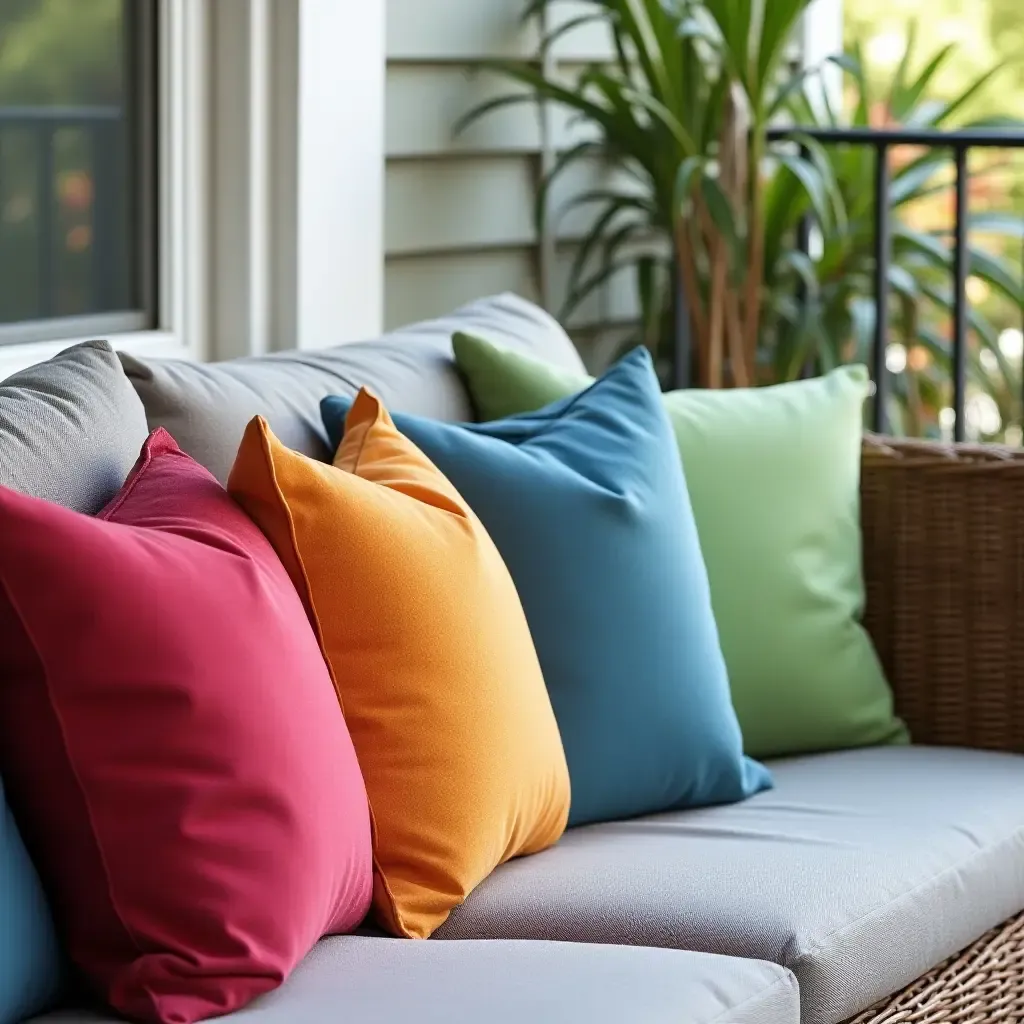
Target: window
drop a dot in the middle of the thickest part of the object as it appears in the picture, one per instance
(189, 178)
(77, 163)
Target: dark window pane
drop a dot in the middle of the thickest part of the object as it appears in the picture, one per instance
(75, 104)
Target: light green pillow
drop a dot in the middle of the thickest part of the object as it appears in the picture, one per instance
(773, 474)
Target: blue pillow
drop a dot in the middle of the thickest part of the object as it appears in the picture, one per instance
(31, 964)
(587, 504)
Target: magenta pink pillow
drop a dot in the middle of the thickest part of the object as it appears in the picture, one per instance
(172, 745)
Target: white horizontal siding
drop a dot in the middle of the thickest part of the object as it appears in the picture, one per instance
(459, 210)
(465, 31)
(473, 203)
(421, 287)
(453, 204)
(424, 102)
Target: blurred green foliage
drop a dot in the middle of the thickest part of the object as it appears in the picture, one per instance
(56, 52)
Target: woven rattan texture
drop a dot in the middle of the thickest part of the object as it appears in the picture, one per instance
(944, 567)
(982, 985)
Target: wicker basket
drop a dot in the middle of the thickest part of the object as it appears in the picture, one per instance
(982, 985)
(944, 566)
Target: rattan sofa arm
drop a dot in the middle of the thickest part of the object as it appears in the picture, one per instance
(943, 533)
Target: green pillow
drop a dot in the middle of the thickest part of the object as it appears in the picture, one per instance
(773, 474)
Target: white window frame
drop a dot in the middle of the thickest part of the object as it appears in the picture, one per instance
(180, 210)
(270, 181)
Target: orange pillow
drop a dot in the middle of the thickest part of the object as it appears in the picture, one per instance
(430, 653)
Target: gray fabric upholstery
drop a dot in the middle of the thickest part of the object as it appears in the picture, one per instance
(206, 407)
(70, 428)
(355, 980)
(860, 871)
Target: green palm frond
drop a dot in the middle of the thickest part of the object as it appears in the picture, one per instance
(696, 197)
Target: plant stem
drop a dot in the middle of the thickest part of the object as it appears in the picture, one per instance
(691, 290)
(716, 313)
(755, 255)
(734, 173)
(734, 340)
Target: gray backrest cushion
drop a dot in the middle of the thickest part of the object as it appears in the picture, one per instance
(70, 428)
(206, 406)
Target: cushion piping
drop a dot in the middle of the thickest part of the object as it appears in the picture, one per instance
(788, 980)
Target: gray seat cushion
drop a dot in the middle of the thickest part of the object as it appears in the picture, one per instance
(206, 406)
(353, 980)
(860, 871)
(70, 428)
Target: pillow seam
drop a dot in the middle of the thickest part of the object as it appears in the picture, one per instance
(318, 630)
(553, 421)
(129, 485)
(365, 429)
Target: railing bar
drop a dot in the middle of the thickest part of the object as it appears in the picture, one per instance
(803, 245)
(883, 249)
(960, 268)
(59, 115)
(46, 198)
(935, 138)
(106, 161)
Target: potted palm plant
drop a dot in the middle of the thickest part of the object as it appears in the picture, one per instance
(707, 211)
(683, 111)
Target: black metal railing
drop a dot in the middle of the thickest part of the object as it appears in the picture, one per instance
(103, 131)
(883, 141)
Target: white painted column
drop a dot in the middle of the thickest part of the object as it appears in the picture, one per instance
(297, 150)
(240, 299)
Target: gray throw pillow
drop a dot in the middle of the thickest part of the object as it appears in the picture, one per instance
(206, 406)
(70, 428)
